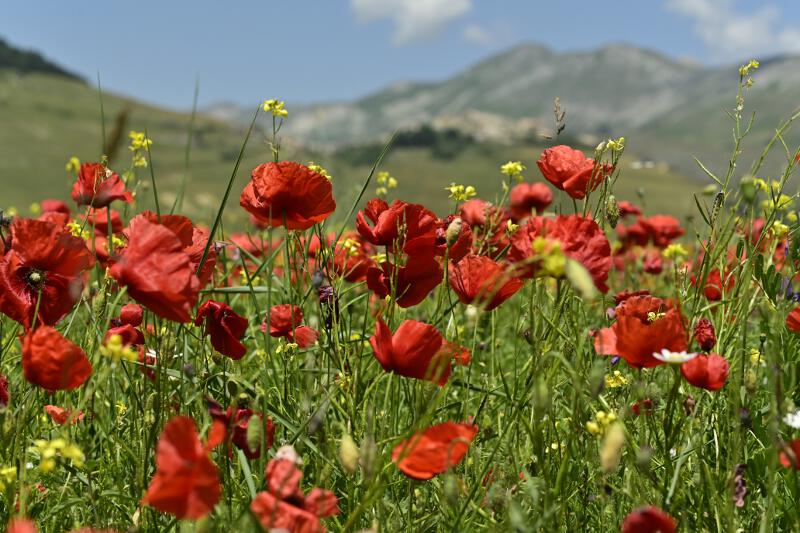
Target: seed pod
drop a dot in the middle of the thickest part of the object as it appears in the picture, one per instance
(612, 211)
(255, 433)
(348, 453)
(453, 231)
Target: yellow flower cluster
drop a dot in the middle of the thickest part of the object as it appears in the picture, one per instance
(461, 193)
(744, 70)
(276, 107)
(615, 380)
(616, 145)
(49, 450)
(139, 141)
(7, 476)
(73, 165)
(675, 251)
(386, 182)
(115, 350)
(351, 246)
(601, 421)
(513, 169)
(653, 316)
(319, 169)
(77, 230)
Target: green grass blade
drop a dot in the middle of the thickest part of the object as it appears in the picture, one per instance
(178, 203)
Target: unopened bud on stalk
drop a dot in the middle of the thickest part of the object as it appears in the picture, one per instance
(612, 211)
(453, 231)
(613, 444)
(748, 187)
(688, 405)
(750, 381)
(348, 453)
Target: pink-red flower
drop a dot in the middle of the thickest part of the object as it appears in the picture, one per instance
(416, 350)
(52, 362)
(186, 483)
(662, 229)
(288, 194)
(224, 326)
(434, 450)
(61, 416)
(98, 186)
(571, 171)
(411, 226)
(44, 264)
(411, 282)
(478, 279)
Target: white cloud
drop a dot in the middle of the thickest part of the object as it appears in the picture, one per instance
(476, 34)
(414, 20)
(732, 35)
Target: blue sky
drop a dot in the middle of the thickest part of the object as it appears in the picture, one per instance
(302, 50)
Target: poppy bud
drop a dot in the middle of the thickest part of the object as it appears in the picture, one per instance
(369, 455)
(254, 433)
(612, 210)
(750, 381)
(348, 453)
(704, 334)
(613, 443)
(453, 231)
(189, 371)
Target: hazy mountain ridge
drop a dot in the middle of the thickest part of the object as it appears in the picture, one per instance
(28, 61)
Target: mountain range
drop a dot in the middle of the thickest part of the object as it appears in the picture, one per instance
(669, 109)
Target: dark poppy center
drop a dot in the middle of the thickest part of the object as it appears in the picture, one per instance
(35, 278)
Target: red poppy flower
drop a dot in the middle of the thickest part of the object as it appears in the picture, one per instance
(624, 295)
(130, 335)
(98, 219)
(715, 285)
(22, 525)
(434, 450)
(256, 245)
(704, 334)
(626, 208)
(193, 240)
(652, 262)
(412, 282)
(61, 416)
(416, 350)
(46, 260)
(225, 327)
(98, 186)
(706, 371)
(571, 171)
(644, 325)
(793, 320)
(186, 483)
(285, 320)
(55, 206)
(526, 197)
(351, 258)
(478, 278)
(461, 240)
(157, 271)
(288, 193)
(633, 235)
(52, 362)
(418, 223)
(648, 519)
(663, 229)
(236, 425)
(131, 314)
(474, 212)
(284, 507)
(581, 239)
(790, 455)
(5, 397)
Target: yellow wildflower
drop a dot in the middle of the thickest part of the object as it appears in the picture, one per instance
(73, 165)
(115, 350)
(276, 107)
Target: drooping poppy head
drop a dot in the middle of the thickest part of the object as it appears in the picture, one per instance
(416, 350)
(186, 483)
(412, 282)
(704, 334)
(225, 327)
(98, 186)
(285, 321)
(434, 450)
(478, 279)
(52, 362)
(648, 519)
(44, 264)
(288, 194)
(578, 238)
(706, 371)
(571, 171)
(158, 272)
(528, 197)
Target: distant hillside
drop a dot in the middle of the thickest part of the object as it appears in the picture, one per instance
(26, 61)
(669, 110)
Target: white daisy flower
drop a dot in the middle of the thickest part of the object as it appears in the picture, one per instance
(792, 419)
(675, 358)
